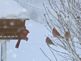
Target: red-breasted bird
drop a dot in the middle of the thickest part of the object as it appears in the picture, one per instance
(55, 32)
(22, 35)
(49, 41)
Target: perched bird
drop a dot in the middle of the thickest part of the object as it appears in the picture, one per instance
(55, 32)
(22, 35)
(49, 41)
(67, 35)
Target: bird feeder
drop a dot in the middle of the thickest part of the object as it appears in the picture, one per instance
(13, 29)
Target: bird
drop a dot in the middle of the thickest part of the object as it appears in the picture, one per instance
(22, 34)
(67, 35)
(55, 32)
(49, 41)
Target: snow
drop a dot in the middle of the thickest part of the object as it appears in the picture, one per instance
(30, 50)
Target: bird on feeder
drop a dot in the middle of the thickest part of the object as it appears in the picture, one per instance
(22, 34)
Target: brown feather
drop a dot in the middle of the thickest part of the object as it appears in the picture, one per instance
(55, 32)
(67, 35)
(49, 41)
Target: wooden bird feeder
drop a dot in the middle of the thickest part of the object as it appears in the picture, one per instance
(13, 29)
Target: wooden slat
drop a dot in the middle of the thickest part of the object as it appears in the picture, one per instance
(17, 22)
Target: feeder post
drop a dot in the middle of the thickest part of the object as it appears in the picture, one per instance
(4, 51)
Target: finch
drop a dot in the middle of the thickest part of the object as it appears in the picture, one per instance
(55, 32)
(67, 35)
(49, 41)
(22, 34)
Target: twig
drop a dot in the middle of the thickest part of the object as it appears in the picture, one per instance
(45, 54)
(53, 54)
